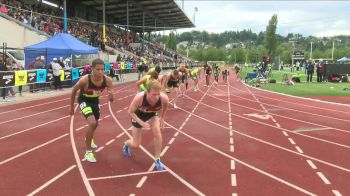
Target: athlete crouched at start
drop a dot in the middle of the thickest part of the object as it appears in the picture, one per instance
(147, 111)
(171, 81)
(194, 75)
(91, 87)
(145, 80)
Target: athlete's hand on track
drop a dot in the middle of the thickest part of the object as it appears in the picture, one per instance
(161, 123)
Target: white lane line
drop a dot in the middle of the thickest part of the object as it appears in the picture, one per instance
(232, 148)
(108, 143)
(177, 133)
(336, 193)
(107, 116)
(299, 149)
(99, 149)
(312, 165)
(51, 181)
(231, 140)
(234, 194)
(32, 106)
(284, 116)
(77, 159)
(324, 179)
(80, 128)
(233, 165)
(118, 136)
(125, 175)
(245, 164)
(32, 149)
(278, 125)
(233, 180)
(283, 129)
(143, 180)
(270, 144)
(274, 120)
(31, 115)
(33, 127)
(132, 194)
(285, 133)
(164, 150)
(291, 141)
(171, 141)
(231, 132)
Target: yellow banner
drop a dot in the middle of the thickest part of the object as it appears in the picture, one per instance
(62, 75)
(20, 78)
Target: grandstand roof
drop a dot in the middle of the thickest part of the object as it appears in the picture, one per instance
(164, 14)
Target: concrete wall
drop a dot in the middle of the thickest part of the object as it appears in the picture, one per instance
(18, 35)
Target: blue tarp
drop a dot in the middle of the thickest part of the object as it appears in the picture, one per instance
(61, 45)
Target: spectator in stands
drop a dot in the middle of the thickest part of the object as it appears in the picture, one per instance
(56, 71)
(3, 68)
(310, 70)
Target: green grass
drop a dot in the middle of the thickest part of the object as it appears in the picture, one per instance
(303, 88)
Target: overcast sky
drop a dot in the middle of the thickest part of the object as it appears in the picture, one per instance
(317, 18)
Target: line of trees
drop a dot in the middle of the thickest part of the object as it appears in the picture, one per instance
(250, 47)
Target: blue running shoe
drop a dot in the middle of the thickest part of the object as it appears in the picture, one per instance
(159, 165)
(126, 151)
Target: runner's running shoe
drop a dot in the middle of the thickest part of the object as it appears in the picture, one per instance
(89, 156)
(126, 150)
(159, 165)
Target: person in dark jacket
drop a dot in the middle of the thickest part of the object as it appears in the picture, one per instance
(310, 70)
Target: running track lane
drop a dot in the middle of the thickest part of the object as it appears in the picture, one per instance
(216, 147)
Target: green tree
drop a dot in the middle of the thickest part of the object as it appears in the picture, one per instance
(171, 42)
(270, 36)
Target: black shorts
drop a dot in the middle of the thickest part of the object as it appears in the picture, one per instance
(143, 116)
(183, 78)
(172, 83)
(88, 109)
(141, 68)
(208, 73)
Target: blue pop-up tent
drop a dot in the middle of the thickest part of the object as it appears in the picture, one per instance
(62, 45)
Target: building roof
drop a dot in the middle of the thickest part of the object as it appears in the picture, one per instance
(159, 14)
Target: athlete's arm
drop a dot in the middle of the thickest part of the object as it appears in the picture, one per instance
(109, 84)
(80, 84)
(165, 81)
(136, 102)
(141, 81)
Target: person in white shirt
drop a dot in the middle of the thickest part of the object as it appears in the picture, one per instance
(56, 69)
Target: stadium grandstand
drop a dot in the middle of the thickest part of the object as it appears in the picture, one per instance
(128, 25)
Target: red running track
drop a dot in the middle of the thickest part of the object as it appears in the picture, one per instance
(228, 139)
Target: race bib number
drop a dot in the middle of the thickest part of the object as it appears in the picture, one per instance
(82, 105)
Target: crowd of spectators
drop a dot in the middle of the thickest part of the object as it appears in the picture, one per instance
(50, 20)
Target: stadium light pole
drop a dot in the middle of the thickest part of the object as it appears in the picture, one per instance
(194, 15)
(333, 50)
(104, 22)
(65, 15)
(311, 50)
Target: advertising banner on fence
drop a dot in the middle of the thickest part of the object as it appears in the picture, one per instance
(20, 78)
(75, 73)
(7, 78)
(41, 75)
(31, 76)
(62, 75)
(67, 74)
